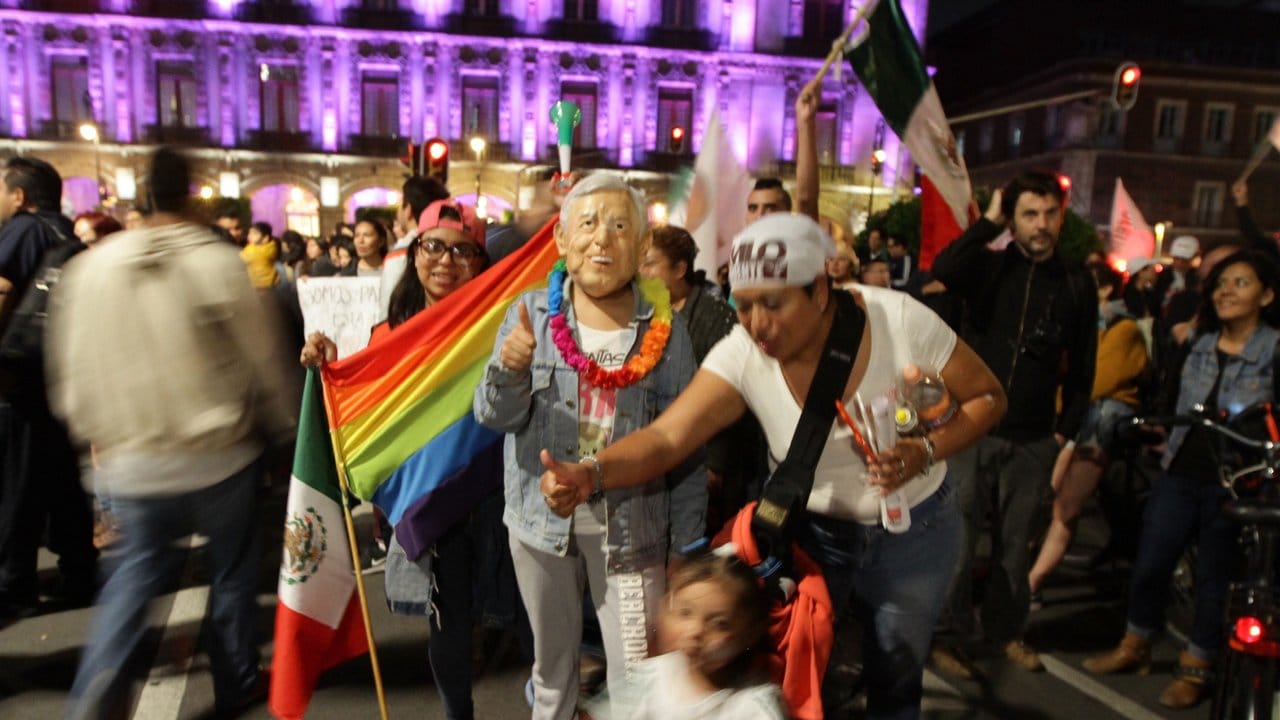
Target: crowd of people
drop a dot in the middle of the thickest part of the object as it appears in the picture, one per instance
(645, 407)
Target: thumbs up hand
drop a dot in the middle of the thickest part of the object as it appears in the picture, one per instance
(564, 485)
(517, 350)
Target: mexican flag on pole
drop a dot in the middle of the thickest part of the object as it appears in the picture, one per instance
(318, 619)
(888, 61)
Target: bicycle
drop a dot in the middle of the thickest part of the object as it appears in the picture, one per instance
(1247, 681)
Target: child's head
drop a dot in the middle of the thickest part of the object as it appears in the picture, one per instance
(717, 615)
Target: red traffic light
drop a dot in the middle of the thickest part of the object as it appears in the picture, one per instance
(1064, 182)
(677, 133)
(437, 160)
(1124, 86)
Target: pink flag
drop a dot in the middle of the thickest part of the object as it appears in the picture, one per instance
(1131, 236)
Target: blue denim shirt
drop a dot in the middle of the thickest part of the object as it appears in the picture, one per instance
(1246, 379)
(537, 409)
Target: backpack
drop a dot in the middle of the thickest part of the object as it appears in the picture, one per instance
(22, 341)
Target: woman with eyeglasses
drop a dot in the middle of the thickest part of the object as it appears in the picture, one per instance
(448, 252)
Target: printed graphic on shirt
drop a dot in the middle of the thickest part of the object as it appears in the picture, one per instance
(596, 406)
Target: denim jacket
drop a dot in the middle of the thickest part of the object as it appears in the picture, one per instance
(537, 409)
(1246, 379)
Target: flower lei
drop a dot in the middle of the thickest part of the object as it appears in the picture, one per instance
(651, 347)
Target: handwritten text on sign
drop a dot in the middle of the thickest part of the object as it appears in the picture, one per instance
(343, 308)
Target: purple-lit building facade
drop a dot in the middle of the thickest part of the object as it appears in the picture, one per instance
(308, 104)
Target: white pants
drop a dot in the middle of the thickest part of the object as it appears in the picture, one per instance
(552, 587)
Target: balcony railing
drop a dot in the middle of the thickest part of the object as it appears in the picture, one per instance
(186, 9)
(282, 141)
(176, 135)
(464, 24)
(280, 12)
(593, 158)
(680, 38)
(380, 145)
(362, 17)
(67, 6)
(590, 31)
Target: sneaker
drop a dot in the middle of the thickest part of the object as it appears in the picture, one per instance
(1024, 657)
(951, 662)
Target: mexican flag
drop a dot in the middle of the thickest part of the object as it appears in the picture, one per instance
(711, 201)
(318, 619)
(888, 61)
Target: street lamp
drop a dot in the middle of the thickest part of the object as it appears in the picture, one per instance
(89, 131)
(877, 166)
(477, 147)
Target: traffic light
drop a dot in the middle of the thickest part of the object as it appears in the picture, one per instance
(1064, 182)
(437, 160)
(1124, 88)
(677, 139)
(412, 157)
(877, 161)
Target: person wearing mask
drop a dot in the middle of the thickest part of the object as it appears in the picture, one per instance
(1228, 368)
(588, 360)
(895, 583)
(179, 438)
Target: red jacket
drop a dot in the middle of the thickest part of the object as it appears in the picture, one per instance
(800, 630)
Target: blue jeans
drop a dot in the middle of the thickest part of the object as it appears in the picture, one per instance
(226, 514)
(1178, 509)
(898, 585)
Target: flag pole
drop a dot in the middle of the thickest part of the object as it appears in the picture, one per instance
(355, 567)
(1259, 153)
(837, 46)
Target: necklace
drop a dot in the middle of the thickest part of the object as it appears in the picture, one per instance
(651, 347)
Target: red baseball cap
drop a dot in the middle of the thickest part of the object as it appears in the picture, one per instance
(470, 225)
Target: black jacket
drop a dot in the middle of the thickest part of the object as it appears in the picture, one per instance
(1035, 325)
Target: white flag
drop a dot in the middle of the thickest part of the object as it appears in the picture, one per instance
(714, 207)
(1131, 236)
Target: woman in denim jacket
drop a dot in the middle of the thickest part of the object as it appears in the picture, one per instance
(537, 388)
(1228, 368)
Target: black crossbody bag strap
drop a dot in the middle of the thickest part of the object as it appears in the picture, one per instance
(786, 492)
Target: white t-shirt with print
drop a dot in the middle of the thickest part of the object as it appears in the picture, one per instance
(596, 409)
(902, 331)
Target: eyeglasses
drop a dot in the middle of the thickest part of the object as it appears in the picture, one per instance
(461, 252)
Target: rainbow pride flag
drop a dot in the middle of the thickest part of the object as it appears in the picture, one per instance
(400, 410)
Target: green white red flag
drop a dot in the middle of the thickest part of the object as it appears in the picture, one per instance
(318, 618)
(889, 63)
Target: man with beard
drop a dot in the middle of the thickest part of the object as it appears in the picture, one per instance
(1034, 321)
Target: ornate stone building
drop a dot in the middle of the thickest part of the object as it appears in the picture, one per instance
(305, 106)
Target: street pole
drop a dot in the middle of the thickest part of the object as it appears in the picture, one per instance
(477, 146)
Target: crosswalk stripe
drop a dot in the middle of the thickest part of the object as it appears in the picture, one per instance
(161, 696)
(1119, 703)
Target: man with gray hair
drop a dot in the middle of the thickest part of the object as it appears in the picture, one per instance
(596, 355)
